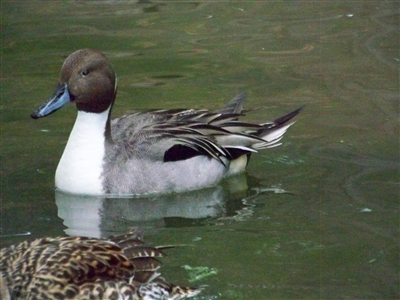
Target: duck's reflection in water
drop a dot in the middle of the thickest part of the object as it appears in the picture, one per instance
(104, 216)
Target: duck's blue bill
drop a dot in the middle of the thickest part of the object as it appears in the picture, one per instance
(59, 99)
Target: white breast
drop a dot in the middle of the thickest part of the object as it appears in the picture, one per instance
(81, 165)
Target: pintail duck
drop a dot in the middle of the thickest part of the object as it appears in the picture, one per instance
(150, 152)
(122, 267)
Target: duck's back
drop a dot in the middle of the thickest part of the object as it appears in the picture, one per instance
(122, 267)
(177, 150)
(162, 151)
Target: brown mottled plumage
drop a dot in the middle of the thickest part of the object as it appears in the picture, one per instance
(121, 267)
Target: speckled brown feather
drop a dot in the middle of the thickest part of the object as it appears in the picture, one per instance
(122, 267)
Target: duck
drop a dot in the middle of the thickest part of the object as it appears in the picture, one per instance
(148, 152)
(120, 267)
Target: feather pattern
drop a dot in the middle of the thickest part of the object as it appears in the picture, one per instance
(212, 134)
(122, 267)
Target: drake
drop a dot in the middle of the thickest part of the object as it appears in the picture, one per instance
(150, 152)
(122, 267)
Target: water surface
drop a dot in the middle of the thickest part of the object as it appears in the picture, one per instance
(317, 218)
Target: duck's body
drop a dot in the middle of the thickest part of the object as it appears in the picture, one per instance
(122, 267)
(148, 152)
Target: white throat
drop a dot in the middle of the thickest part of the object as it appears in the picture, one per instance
(80, 168)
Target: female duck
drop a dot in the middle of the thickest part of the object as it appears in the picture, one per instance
(147, 152)
(122, 267)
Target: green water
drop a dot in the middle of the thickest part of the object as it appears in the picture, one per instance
(334, 233)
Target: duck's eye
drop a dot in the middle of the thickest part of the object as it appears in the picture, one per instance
(85, 72)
